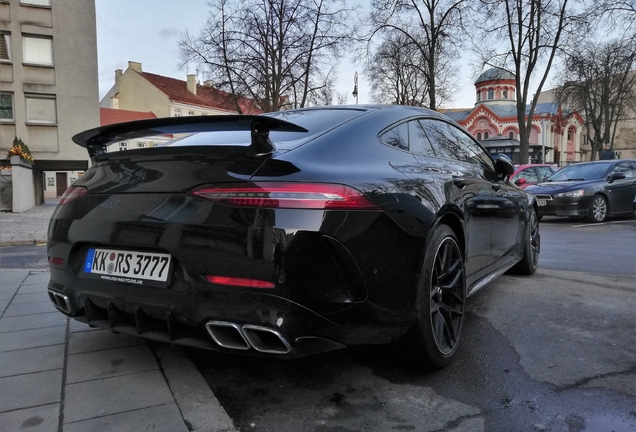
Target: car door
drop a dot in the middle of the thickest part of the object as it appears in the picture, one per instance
(470, 186)
(508, 202)
(620, 192)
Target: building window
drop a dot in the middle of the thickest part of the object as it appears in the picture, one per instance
(5, 46)
(478, 96)
(511, 135)
(486, 135)
(478, 136)
(191, 113)
(38, 50)
(570, 134)
(177, 112)
(491, 93)
(505, 93)
(36, 2)
(41, 109)
(141, 144)
(6, 106)
(123, 146)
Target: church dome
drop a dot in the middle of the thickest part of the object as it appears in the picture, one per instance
(495, 74)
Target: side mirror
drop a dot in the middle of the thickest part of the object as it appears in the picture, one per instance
(503, 165)
(617, 176)
(521, 181)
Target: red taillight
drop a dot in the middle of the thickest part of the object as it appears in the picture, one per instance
(241, 282)
(287, 195)
(56, 260)
(73, 193)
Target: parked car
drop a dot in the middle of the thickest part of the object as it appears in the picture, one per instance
(290, 233)
(526, 175)
(594, 190)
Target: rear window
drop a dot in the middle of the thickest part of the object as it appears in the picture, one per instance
(316, 121)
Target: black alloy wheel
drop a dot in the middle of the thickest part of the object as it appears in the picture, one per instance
(598, 209)
(441, 299)
(530, 261)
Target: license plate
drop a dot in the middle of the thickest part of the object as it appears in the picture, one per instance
(542, 203)
(128, 266)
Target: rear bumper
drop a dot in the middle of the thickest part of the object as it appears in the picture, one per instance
(341, 278)
(219, 320)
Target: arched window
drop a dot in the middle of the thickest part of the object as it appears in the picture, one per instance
(491, 93)
(511, 134)
(478, 136)
(478, 96)
(485, 135)
(570, 134)
(505, 93)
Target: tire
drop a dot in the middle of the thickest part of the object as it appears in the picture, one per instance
(441, 295)
(528, 264)
(598, 209)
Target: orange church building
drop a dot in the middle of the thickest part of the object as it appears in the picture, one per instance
(556, 132)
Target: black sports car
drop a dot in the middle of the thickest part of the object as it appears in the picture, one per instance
(290, 233)
(589, 189)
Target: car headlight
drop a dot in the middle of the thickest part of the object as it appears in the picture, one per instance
(571, 194)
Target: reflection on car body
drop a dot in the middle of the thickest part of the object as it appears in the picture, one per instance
(290, 233)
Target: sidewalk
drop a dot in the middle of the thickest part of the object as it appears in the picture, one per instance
(28, 227)
(59, 375)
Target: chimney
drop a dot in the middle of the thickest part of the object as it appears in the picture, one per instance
(117, 78)
(136, 66)
(192, 83)
(208, 83)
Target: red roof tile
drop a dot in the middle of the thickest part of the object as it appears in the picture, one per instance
(206, 97)
(109, 116)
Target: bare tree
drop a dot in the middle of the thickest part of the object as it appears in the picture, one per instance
(524, 36)
(395, 73)
(272, 51)
(434, 28)
(598, 79)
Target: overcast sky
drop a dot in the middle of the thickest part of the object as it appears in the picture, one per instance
(148, 31)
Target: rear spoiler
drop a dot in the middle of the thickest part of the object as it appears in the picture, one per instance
(96, 140)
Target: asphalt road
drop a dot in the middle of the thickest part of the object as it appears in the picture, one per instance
(553, 352)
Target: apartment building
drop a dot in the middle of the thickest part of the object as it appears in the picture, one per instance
(48, 87)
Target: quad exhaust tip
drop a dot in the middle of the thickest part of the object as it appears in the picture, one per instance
(242, 337)
(60, 301)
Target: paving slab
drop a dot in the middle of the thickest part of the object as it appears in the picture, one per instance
(37, 297)
(76, 326)
(160, 418)
(28, 322)
(44, 418)
(37, 278)
(29, 308)
(12, 278)
(30, 390)
(109, 363)
(31, 360)
(100, 340)
(32, 338)
(97, 398)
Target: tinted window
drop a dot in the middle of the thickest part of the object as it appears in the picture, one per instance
(418, 141)
(625, 167)
(315, 121)
(397, 137)
(529, 174)
(451, 143)
(544, 172)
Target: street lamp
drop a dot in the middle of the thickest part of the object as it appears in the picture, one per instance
(355, 86)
